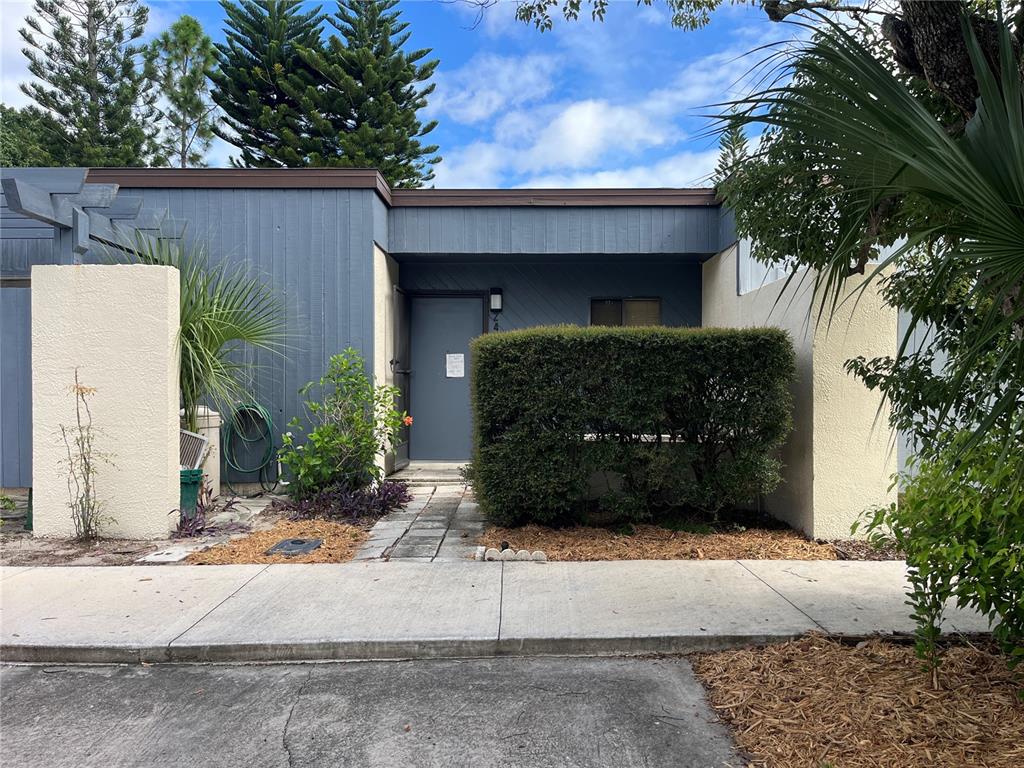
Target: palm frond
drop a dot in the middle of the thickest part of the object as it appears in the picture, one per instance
(879, 142)
(224, 313)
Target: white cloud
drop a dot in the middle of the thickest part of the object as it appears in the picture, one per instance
(686, 169)
(573, 142)
(585, 131)
(488, 84)
(551, 138)
(477, 165)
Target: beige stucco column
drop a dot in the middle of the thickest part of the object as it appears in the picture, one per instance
(117, 326)
(385, 278)
(841, 455)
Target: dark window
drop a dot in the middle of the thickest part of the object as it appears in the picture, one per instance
(625, 311)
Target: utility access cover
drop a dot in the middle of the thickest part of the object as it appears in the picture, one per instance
(292, 547)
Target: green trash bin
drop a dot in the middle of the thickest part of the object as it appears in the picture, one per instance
(191, 480)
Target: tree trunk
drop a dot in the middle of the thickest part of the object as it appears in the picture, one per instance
(937, 32)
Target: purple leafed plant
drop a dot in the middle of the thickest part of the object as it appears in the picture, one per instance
(351, 505)
(197, 524)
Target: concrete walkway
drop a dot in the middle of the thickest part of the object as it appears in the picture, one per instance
(382, 610)
(440, 524)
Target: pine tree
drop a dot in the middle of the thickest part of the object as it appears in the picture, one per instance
(365, 110)
(30, 137)
(83, 54)
(732, 150)
(180, 62)
(260, 71)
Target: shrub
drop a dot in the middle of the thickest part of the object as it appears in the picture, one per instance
(82, 464)
(354, 422)
(627, 422)
(353, 504)
(961, 523)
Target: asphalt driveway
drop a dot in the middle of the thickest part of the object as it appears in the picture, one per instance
(511, 712)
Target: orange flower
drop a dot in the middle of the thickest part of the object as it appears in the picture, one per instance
(407, 421)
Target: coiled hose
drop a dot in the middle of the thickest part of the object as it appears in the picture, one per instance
(248, 425)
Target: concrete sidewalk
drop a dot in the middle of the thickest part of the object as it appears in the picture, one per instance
(380, 610)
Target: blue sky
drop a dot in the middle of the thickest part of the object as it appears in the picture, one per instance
(588, 104)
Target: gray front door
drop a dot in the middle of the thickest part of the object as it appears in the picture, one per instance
(441, 329)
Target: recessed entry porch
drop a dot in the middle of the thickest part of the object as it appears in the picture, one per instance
(437, 304)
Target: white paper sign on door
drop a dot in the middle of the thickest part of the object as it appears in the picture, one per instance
(455, 366)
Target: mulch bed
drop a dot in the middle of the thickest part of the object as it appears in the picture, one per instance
(652, 542)
(340, 543)
(858, 549)
(815, 702)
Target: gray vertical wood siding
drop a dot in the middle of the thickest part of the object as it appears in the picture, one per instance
(539, 230)
(315, 247)
(23, 242)
(15, 388)
(551, 292)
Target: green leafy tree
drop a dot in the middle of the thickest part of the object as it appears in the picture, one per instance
(180, 62)
(84, 56)
(29, 137)
(262, 84)
(366, 107)
(886, 167)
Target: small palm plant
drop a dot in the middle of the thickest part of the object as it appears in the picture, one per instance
(223, 310)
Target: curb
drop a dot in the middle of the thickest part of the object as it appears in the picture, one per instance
(375, 650)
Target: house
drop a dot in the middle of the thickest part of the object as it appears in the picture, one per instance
(408, 277)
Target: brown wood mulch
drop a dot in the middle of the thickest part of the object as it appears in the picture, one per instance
(340, 543)
(652, 542)
(815, 702)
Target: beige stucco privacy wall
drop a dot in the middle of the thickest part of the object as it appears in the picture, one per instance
(841, 456)
(117, 325)
(385, 278)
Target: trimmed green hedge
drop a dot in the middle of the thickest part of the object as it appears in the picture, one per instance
(573, 424)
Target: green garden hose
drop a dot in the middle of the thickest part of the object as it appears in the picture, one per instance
(249, 425)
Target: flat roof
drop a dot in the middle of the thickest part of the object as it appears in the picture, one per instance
(369, 178)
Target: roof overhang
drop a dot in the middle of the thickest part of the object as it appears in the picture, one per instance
(368, 178)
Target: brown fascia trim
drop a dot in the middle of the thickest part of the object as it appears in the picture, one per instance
(243, 178)
(369, 178)
(468, 198)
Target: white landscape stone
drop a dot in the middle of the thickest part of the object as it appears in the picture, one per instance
(539, 557)
(492, 554)
(508, 554)
(523, 554)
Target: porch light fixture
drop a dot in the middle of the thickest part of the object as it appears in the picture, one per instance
(496, 305)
